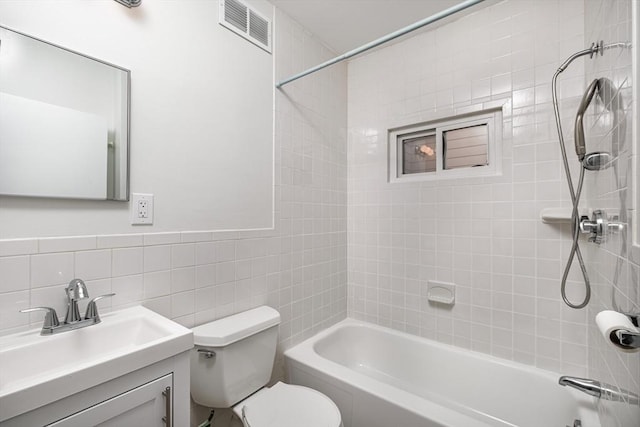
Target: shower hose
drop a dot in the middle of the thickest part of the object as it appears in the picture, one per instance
(575, 195)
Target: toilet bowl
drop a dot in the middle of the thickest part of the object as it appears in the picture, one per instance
(285, 405)
(231, 364)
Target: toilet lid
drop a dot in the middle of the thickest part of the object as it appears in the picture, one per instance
(285, 405)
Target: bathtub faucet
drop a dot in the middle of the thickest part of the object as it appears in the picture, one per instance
(600, 390)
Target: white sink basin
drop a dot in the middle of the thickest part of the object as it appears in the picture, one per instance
(36, 370)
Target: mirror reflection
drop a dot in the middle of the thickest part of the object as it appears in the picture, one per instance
(64, 122)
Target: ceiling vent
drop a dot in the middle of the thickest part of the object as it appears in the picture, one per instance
(246, 22)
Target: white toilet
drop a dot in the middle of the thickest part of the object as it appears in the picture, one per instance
(232, 362)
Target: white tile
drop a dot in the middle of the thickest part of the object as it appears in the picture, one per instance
(119, 241)
(225, 235)
(182, 304)
(161, 239)
(188, 320)
(14, 274)
(224, 294)
(51, 269)
(244, 249)
(18, 247)
(225, 272)
(196, 236)
(183, 279)
(126, 261)
(66, 244)
(157, 258)
(225, 251)
(10, 305)
(91, 265)
(206, 316)
(205, 253)
(205, 275)
(205, 298)
(128, 290)
(157, 283)
(183, 255)
(161, 305)
(243, 269)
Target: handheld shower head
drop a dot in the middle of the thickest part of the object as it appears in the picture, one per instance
(579, 125)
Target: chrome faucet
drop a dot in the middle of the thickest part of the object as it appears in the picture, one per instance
(600, 390)
(591, 387)
(76, 290)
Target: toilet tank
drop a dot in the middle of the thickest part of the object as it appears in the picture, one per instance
(233, 357)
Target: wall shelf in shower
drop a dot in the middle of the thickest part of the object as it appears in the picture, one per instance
(557, 215)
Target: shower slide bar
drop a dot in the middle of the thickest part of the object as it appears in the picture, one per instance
(433, 18)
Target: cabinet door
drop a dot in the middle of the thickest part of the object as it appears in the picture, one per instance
(142, 406)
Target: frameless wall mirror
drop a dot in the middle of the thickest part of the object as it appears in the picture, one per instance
(64, 122)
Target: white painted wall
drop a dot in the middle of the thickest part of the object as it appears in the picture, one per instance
(197, 276)
(201, 119)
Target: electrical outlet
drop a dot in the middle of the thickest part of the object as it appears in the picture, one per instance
(141, 209)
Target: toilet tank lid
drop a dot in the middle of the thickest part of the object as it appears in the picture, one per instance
(228, 330)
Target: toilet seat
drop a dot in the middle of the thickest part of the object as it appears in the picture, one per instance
(285, 405)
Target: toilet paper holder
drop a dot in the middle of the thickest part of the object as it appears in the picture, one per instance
(629, 339)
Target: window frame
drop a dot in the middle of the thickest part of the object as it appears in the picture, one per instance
(492, 118)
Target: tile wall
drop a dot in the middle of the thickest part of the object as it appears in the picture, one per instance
(194, 277)
(614, 265)
(484, 235)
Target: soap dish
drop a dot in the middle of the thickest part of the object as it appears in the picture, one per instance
(441, 292)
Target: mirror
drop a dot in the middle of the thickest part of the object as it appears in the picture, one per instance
(64, 122)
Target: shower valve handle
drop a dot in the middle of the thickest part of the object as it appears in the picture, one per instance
(599, 226)
(594, 227)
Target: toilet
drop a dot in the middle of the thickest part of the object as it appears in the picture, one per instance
(231, 364)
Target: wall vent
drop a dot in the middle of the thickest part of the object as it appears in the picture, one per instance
(246, 22)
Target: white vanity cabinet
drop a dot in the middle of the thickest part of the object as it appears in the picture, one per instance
(148, 405)
(143, 398)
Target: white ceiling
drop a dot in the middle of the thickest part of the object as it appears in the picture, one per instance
(346, 24)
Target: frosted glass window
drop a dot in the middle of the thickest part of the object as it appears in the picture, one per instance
(466, 147)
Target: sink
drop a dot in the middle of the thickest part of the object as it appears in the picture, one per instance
(36, 370)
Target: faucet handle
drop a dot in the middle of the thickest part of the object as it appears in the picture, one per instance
(92, 308)
(50, 319)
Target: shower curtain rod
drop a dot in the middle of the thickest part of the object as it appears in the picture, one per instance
(433, 18)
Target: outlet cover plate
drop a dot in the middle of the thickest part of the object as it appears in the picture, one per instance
(141, 209)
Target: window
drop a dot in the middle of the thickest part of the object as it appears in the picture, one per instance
(466, 147)
(455, 147)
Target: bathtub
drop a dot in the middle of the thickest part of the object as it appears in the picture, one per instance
(380, 377)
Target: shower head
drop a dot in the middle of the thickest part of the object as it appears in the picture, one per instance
(130, 3)
(579, 125)
(596, 161)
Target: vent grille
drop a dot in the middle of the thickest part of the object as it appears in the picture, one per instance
(235, 13)
(246, 22)
(258, 28)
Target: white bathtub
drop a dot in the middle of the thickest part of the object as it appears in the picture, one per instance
(379, 377)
